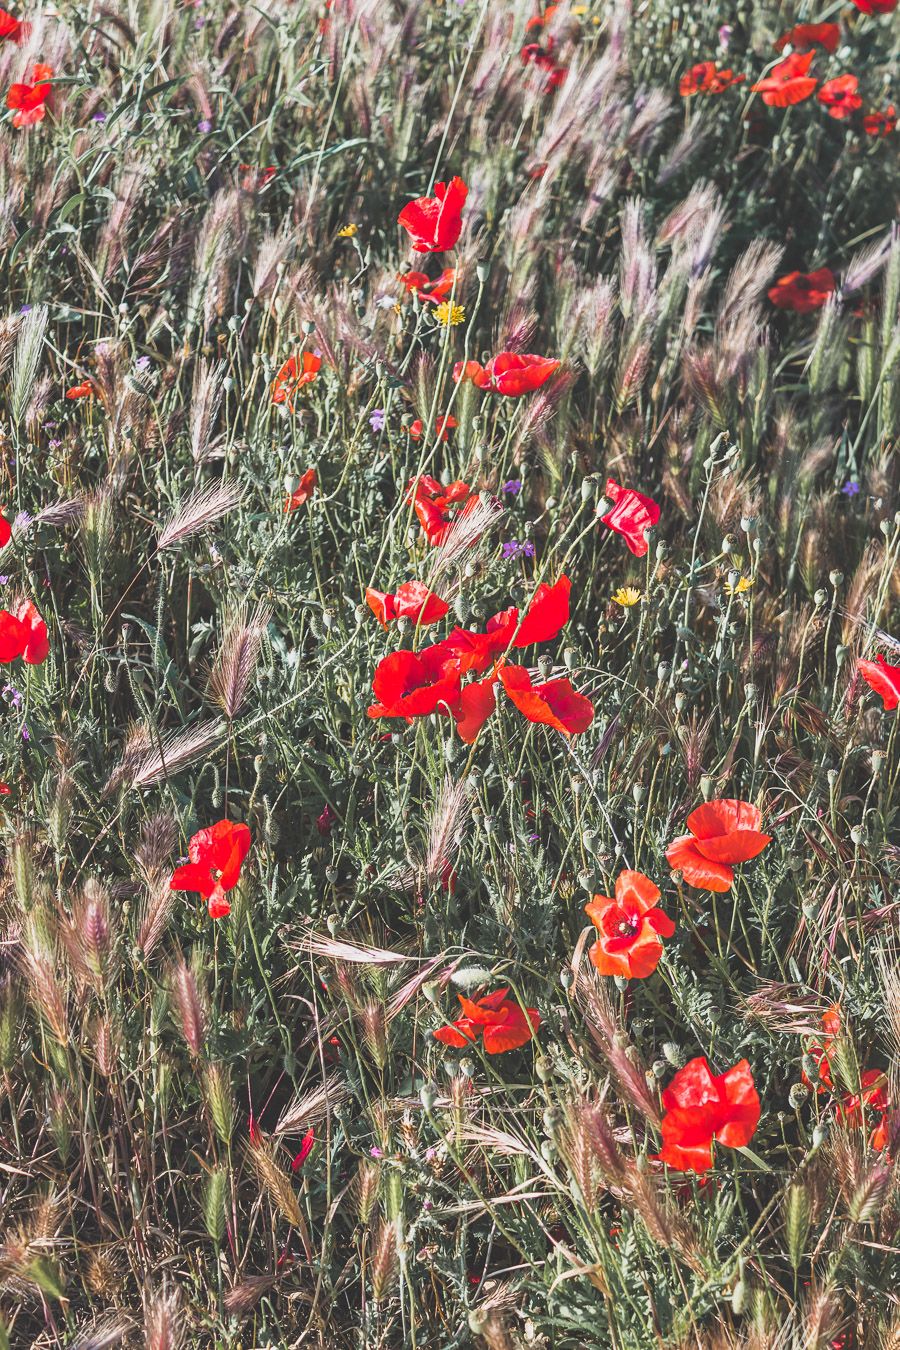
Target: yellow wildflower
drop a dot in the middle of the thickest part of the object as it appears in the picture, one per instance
(348, 232)
(742, 585)
(626, 596)
(450, 315)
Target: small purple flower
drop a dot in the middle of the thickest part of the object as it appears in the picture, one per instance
(23, 520)
(4, 580)
(12, 695)
(26, 734)
(725, 35)
(850, 489)
(142, 363)
(376, 1152)
(513, 549)
(99, 117)
(513, 487)
(376, 419)
(25, 309)
(205, 125)
(54, 444)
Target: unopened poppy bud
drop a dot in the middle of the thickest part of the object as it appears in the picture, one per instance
(727, 544)
(359, 615)
(228, 384)
(663, 671)
(566, 978)
(482, 271)
(835, 578)
(587, 489)
(672, 1052)
(327, 619)
(797, 1095)
(661, 550)
(733, 579)
(403, 624)
(570, 658)
(551, 504)
(553, 1120)
(545, 666)
(637, 792)
(680, 701)
(428, 1096)
(747, 524)
(589, 840)
(707, 786)
(488, 824)
(548, 1150)
(810, 1067)
(309, 327)
(621, 983)
(877, 761)
(587, 879)
(544, 1069)
(461, 607)
(660, 1068)
(739, 1298)
(602, 507)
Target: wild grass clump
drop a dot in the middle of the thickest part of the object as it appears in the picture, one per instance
(305, 1036)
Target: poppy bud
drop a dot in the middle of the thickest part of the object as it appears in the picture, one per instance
(672, 1052)
(548, 1150)
(553, 1120)
(797, 1095)
(819, 598)
(707, 786)
(749, 693)
(309, 327)
(818, 1135)
(331, 874)
(570, 657)
(544, 1069)
(461, 607)
(482, 271)
(663, 671)
(551, 504)
(660, 1068)
(589, 840)
(488, 824)
(858, 835)
(739, 1298)
(602, 508)
(428, 1096)
(747, 524)
(431, 989)
(840, 655)
(587, 879)
(877, 761)
(587, 489)
(727, 544)
(680, 701)
(621, 983)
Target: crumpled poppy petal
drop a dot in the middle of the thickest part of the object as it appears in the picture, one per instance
(683, 856)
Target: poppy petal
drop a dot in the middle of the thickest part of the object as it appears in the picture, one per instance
(683, 856)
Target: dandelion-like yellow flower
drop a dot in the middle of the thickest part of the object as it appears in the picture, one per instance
(742, 585)
(348, 232)
(450, 315)
(626, 596)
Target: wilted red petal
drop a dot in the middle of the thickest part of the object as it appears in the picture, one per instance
(881, 677)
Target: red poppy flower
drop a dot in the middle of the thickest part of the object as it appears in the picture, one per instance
(840, 96)
(444, 426)
(413, 600)
(881, 123)
(24, 634)
(502, 1023)
(298, 370)
(305, 1149)
(876, 6)
(255, 179)
(325, 821)
(539, 20)
(5, 789)
(831, 1025)
(436, 505)
(803, 291)
(706, 78)
(508, 373)
(434, 223)
(546, 615)
(418, 284)
(413, 684)
(216, 855)
(884, 679)
(722, 833)
(12, 28)
(30, 99)
(803, 36)
(787, 83)
(631, 516)
(474, 706)
(5, 531)
(701, 1107)
(630, 928)
(303, 491)
(541, 57)
(83, 390)
(554, 703)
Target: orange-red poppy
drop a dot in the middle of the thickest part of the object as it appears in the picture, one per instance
(435, 223)
(83, 390)
(631, 516)
(12, 28)
(418, 283)
(302, 492)
(840, 96)
(30, 100)
(554, 703)
(508, 373)
(216, 855)
(788, 82)
(803, 36)
(499, 1019)
(5, 530)
(630, 927)
(876, 6)
(442, 429)
(884, 679)
(298, 370)
(23, 633)
(702, 1107)
(414, 684)
(880, 123)
(706, 78)
(413, 600)
(803, 291)
(722, 833)
(437, 506)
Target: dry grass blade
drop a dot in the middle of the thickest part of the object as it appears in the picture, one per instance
(311, 1107)
(197, 512)
(237, 658)
(144, 764)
